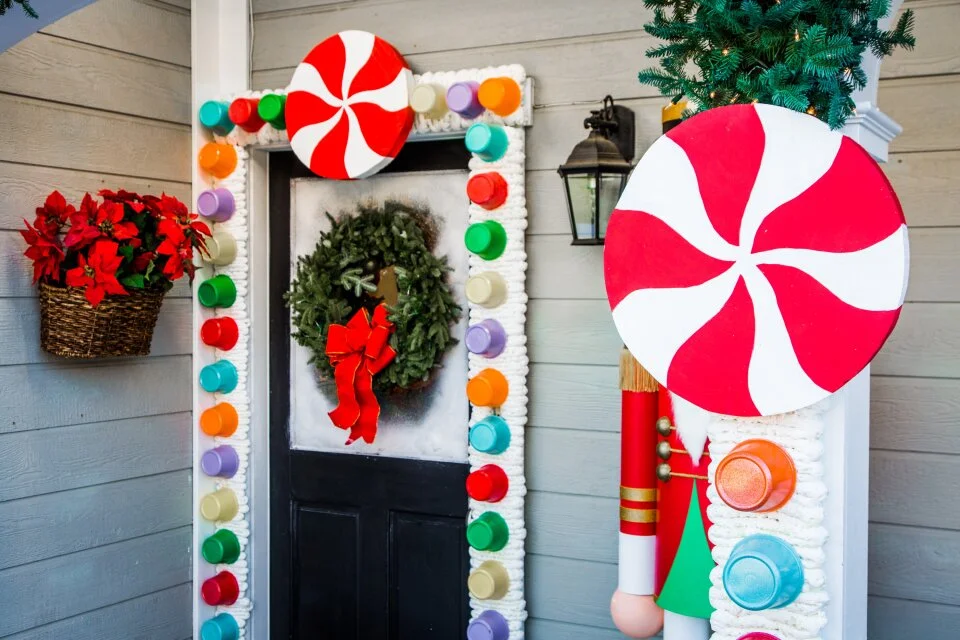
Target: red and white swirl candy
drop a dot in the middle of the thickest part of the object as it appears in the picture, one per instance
(348, 106)
(756, 261)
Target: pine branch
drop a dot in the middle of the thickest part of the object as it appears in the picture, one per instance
(24, 4)
(802, 54)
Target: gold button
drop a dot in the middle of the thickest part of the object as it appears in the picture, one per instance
(663, 450)
(663, 472)
(664, 426)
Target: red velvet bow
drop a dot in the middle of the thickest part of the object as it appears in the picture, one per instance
(358, 351)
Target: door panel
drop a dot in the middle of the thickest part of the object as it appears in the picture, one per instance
(362, 547)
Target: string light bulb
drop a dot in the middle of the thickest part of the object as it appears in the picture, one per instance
(796, 35)
(812, 111)
(726, 52)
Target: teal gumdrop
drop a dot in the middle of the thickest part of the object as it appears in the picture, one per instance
(215, 116)
(220, 627)
(219, 377)
(490, 435)
(763, 572)
(487, 141)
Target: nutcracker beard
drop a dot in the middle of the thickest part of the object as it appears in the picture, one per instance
(665, 559)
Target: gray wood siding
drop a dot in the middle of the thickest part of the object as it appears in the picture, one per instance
(578, 52)
(95, 479)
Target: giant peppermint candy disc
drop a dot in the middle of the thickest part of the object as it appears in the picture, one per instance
(348, 106)
(757, 261)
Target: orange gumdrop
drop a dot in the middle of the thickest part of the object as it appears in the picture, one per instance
(500, 95)
(488, 388)
(756, 476)
(218, 159)
(219, 420)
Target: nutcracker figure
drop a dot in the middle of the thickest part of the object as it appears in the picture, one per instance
(665, 557)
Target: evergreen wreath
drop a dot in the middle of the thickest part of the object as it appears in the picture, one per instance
(804, 55)
(333, 283)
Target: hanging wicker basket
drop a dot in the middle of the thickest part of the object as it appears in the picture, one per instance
(118, 326)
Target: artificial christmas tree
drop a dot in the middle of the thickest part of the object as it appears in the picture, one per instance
(805, 55)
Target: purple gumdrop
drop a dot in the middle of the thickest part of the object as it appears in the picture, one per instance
(489, 625)
(486, 338)
(462, 98)
(216, 204)
(221, 461)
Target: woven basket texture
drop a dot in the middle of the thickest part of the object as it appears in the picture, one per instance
(118, 326)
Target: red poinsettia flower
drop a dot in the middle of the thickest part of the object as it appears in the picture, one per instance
(44, 250)
(142, 261)
(97, 272)
(83, 225)
(53, 214)
(173, 209)
(110, 222)
(177, 246)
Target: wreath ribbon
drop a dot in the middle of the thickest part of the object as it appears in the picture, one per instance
(358, 351)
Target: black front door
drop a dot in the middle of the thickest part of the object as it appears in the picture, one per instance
(362, 547)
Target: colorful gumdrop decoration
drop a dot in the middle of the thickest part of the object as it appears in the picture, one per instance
(219, 377)
(486, 338)
(490, 435)
(788, 260)
(489, 388)
(216, 205)
(220, 590)
(220, 420)
(272, 108)
(220, 333)
(489, 483)
(763, 572)
(488, 142)
(487, 239)
(429, 100)
(218, 291)
(757, 475)
(489, 581)
(348, 106)
(221, 249)
(223, 626)
(218, 159)
(222, 547)
(489, 625)
(215, 116)
(489, 532)
(502, 96)
(220, 505)
(488, 190)
(244, 114)
(220, 462)
(487, 289)
(463, 99)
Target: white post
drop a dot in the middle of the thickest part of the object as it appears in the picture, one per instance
(220, 65)
(846, 462)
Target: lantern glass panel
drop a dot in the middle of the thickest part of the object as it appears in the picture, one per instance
(582, 191)
(611, 185)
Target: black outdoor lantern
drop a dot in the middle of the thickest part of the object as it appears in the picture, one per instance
(596, 172)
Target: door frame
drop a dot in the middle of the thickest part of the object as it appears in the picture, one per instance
(222, 73)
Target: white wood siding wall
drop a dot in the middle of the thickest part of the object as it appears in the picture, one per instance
(95, 500)
(578, 51)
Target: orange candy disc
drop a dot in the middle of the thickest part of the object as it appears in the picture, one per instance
(758, 475)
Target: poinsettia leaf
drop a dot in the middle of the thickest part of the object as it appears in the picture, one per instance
(135, 281)
(126, 251)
